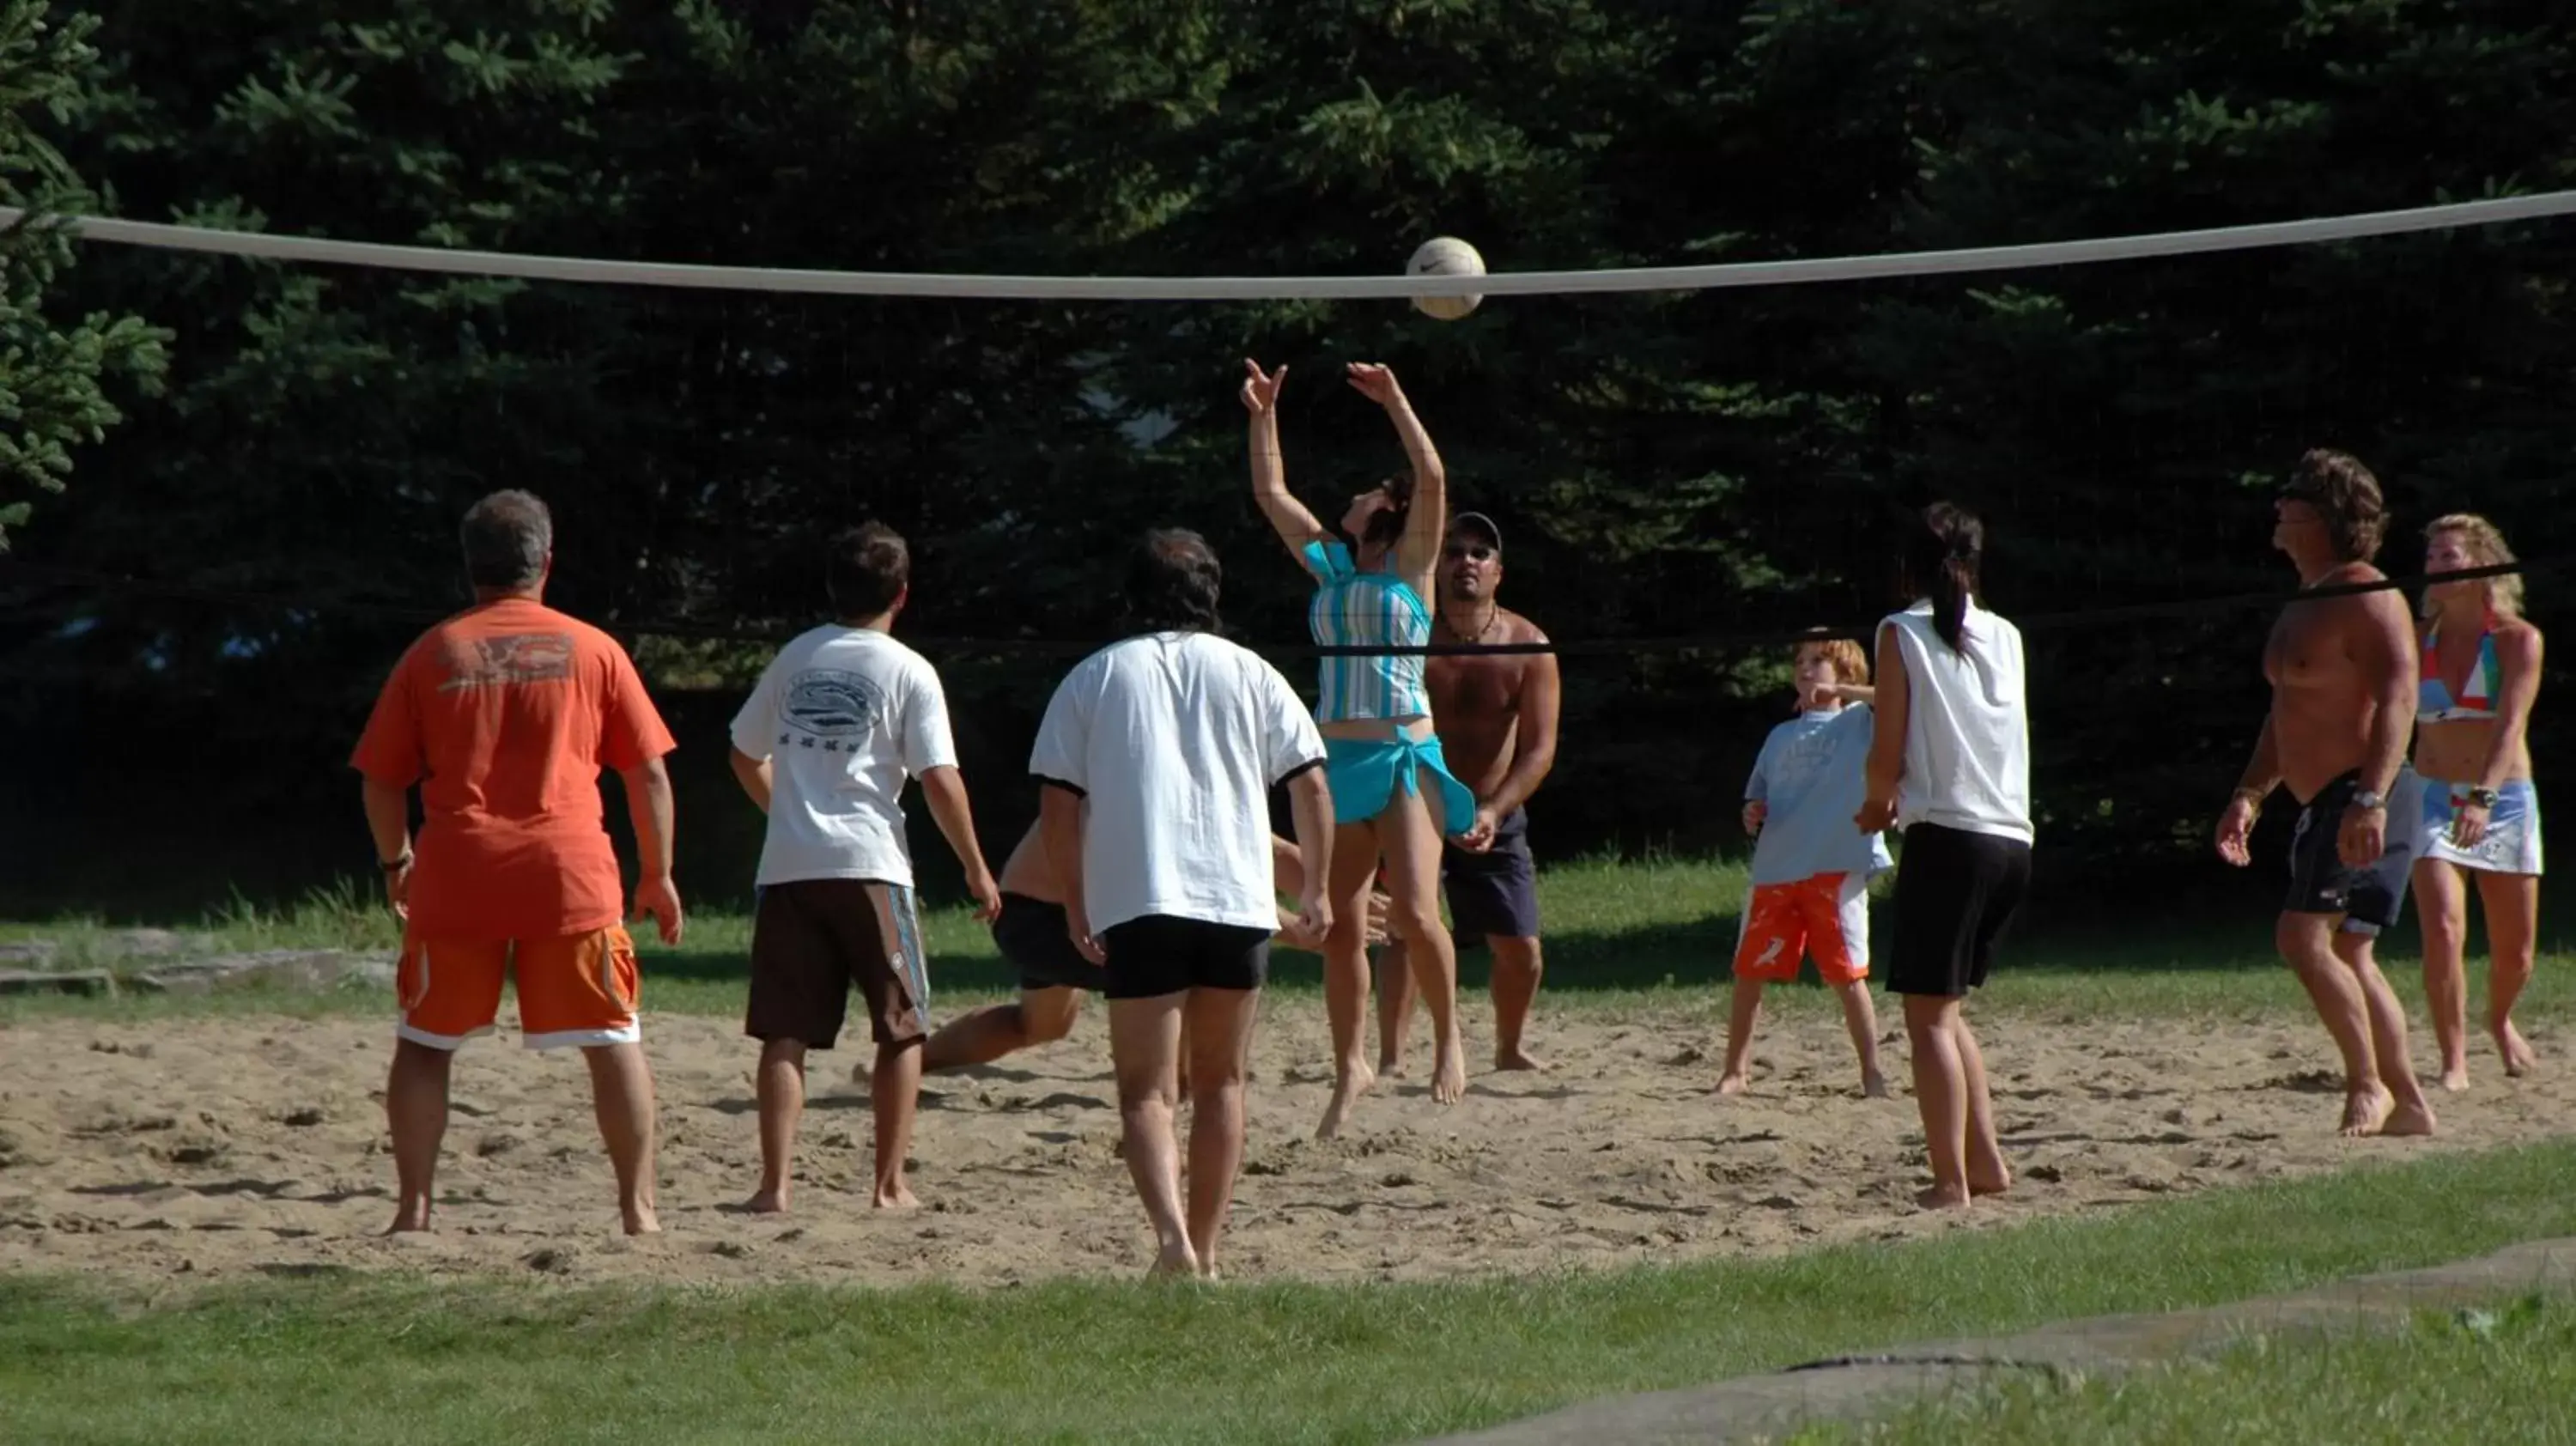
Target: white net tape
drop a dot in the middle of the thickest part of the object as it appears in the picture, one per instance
(1283, 288)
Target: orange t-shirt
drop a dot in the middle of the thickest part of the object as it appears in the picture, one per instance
(504, 715)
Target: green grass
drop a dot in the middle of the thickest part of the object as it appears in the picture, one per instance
(349, 1358)
(2470, 1377)
(1624, 939)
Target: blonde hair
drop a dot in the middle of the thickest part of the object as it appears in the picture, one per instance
(2486, 549)
(1851, 663)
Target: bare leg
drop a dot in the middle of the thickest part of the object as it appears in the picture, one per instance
(1941, 1089)
(1409, 835)
(781, 1087)
(1221, 1044)
(1744, 1011)
(2444, 907)
(893, 1093)
(2512, 904)
(2306, 943)
(2413, 1114)
(416, 1115)
(1987, 1172)
(1346, 972)
(1395, 996)
(981, 1036)
(1860, 1021)
(1518, 964)
(621, 1092)
(1144, 1049)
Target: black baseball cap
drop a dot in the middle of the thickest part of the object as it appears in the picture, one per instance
(1477, 522)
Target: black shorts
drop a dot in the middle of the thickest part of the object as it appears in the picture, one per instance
(1159, 954)
(1494, 894)
(812, 939)
(1030, 933)
(1955, 892)
(2370, 899)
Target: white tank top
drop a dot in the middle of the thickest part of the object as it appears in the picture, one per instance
(1967, 730)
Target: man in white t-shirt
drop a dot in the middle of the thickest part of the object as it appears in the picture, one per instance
(1157, 757)
(839, 719)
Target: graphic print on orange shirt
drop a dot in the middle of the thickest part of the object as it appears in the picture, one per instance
(504, 715)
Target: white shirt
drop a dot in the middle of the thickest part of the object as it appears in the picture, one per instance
(843, 715)
(1967, 728)
(1174, 741)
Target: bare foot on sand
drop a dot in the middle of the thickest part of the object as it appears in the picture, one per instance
(2366, 1109)
(1873, 1086)
(1995, 1184)
(898, 1198)
(2455, 1076)
(2518, 1056)
(1176, 1262)
(642, 1221)
(1390, 1066)
(766, 1202)
(1942, 1197)
(1347, 1089)
(1449, 1074)
(408, 1221)
(1731, 1084)
(2414, 1119)
(1517, 1058)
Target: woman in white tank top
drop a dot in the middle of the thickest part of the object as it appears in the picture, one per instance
(1949, 764)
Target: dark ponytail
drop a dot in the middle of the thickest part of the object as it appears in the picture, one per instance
(1940, 562)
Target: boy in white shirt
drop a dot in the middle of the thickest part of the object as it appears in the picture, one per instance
(823, 745)
(1812, 865)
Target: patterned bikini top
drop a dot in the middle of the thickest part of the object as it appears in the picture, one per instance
(1352, 608)
(2433, 700)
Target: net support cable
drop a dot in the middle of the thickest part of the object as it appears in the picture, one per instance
(96, 581)
(595, 270)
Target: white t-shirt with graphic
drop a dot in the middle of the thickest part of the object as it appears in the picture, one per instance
(844, 716)
(1175, 740)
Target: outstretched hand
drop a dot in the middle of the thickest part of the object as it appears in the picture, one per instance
(1375, 382)
(1261, 389)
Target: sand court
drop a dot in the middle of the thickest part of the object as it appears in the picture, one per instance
(231, 1147)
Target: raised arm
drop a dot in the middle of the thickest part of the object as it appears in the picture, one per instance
(1287, 516)
(1426, 525)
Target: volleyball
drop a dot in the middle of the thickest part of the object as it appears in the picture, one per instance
(1445, 256)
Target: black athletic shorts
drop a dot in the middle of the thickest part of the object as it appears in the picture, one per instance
(1159, 954)
(1030, 933)
(1955, 892)
(1494, 894)
(2370, 899)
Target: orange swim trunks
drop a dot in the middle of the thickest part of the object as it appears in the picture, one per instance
(1826, 916)
(574, 991)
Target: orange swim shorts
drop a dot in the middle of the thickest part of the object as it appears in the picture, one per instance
(574, 991)
(1826, 916)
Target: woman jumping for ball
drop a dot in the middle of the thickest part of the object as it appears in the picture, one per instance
(1393, 796)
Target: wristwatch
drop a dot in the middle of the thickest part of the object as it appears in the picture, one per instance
(395, 865)
(2367, 798)
(2482, 797)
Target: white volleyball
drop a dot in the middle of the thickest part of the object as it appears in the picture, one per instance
(1445, 256)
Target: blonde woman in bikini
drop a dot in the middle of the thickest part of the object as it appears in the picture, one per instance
(2481, 670)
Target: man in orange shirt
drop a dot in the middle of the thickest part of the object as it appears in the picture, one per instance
(504, 715)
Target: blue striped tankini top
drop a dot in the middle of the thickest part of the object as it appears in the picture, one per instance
(1357, 609)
